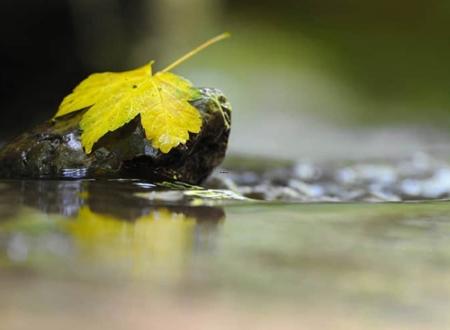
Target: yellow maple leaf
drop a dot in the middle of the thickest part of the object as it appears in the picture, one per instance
(116, 98)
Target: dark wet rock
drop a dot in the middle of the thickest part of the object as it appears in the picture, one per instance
(53, 149)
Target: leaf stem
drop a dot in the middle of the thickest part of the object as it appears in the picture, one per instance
(204, 45)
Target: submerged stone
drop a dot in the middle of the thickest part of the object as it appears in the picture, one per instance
(420, 177)
(53, 149)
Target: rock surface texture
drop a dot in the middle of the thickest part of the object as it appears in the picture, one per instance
(53, 149)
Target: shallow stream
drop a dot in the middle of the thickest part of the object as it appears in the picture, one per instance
(125, 253)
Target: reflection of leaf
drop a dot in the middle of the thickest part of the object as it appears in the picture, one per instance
(161, 101)
(155, 242)
(115, 99)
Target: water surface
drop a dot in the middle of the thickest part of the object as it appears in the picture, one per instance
(124, 253)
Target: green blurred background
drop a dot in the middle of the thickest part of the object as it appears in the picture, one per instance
(309, 79)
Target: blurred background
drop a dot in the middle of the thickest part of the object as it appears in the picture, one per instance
(307, 79)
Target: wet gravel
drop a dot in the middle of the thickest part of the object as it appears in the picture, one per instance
(418, 177)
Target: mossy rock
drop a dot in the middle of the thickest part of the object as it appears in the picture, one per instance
(53, 149)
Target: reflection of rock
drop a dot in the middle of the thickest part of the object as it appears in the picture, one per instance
(108, 229)
(8, 202)
(53, 149)
(62, 197)
(116, 198)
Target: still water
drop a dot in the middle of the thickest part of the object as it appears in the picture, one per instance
(119, 254)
